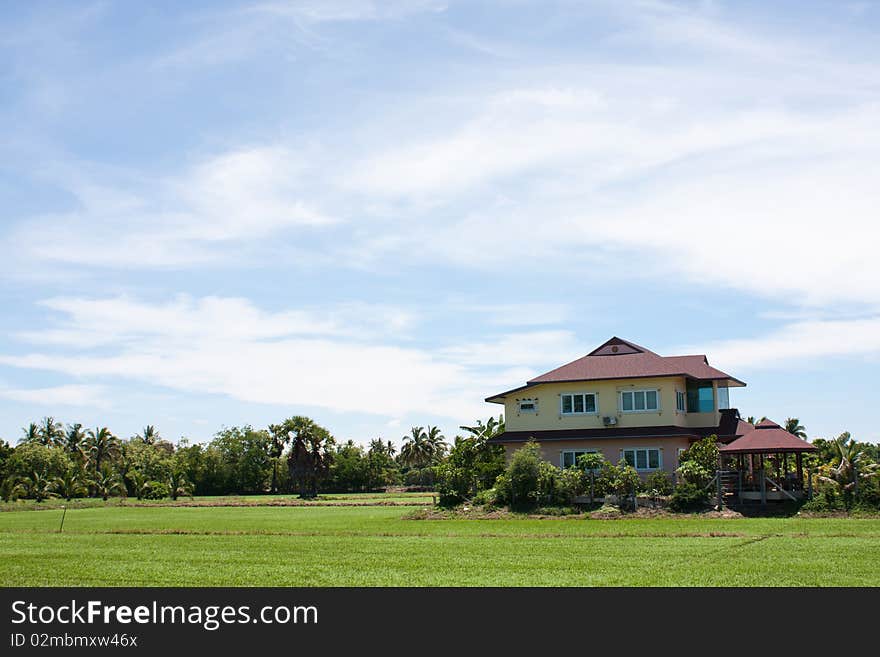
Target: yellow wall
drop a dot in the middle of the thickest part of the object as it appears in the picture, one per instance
(549, 416)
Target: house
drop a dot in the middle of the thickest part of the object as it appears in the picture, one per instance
(624, 401)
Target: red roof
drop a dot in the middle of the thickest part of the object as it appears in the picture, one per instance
(767, 437)
(620, 359)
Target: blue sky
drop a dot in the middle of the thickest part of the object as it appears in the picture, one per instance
(379, 213)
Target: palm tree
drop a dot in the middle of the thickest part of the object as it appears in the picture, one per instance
(150, 435)
(310, 456)
(70, 484)
(279, 437)
(417, 450)
(849, 458)
(753, 421)
(487, 430)
(38, 486)
(178, 485)
(74, 441)
(436, 440)
(31, 434)
(101, 445)
(51, 432)
(140, 484)
(105, 482)
(794, 427)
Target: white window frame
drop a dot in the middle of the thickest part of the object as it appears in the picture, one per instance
(520, 402)
(681, 395)
(642, 390)
(595, 396)
(634, 450)
(563, 452)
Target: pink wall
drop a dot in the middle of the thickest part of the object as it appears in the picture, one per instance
(611, 448)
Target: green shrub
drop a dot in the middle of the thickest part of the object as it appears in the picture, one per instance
(157, 490)
(698, 463)
(488, 497)
(519, 483)
(688, 497)
(658, 483)
(454, 484)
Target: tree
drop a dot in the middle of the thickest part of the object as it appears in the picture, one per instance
(31, 434)
(178, 485)
(437, 442)
(51, 432)
(794, 427)
(140, 484)
(105, 483)
(850, 460)
(310, 454)
(350, 470)
(150, 435)
(280, 436)
(486, 430)
(101, 445)
(382, 469)
(37, 486)
(698, 463)
(71, 484)
(245, 455)
(74, 441)
(752, 420)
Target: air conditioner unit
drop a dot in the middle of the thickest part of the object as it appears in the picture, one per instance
(609, 420)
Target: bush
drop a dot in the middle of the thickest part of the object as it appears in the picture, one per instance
(660, 482)
(688, 497)
(519, 483)
(697, 464)
(157, 490)
(488, 497)
(621, 480)
(454, 485)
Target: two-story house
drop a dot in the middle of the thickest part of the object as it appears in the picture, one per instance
(624, 401)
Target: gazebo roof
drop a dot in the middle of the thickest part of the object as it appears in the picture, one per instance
(767, 438)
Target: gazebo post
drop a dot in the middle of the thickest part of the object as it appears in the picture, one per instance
(800, 468)
(763, 483)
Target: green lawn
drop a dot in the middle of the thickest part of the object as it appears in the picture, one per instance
(377, 545)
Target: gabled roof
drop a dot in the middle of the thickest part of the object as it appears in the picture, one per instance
(621, 359)
(767, 437)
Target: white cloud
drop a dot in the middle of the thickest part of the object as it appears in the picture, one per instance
(92, 396)
(182, 221)
(797, 342)
(335, 360)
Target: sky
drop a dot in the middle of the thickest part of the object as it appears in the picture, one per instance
(378, 213)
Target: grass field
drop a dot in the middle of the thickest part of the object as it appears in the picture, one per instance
(369, 545)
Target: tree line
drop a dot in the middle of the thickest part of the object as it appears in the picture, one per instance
(296, 455)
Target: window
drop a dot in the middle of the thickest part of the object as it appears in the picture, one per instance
(578, 403)
(700, 397)
(528, 406)
(680, 401)
(639, 401)
(643, 459)
(569, 457)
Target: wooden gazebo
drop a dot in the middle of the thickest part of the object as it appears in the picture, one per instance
(750, 479)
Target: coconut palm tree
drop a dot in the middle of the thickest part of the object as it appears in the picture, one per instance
(31, 434)
(74, 441)
(105, 482)
(51, 432)
(849, 458)
(417, 450)
(141, 486)
(150, 435)
(179, 485)
(38, 486)
(101, 445)
(70, 484)
(753, 420)
(794, 427)
(437, 442)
